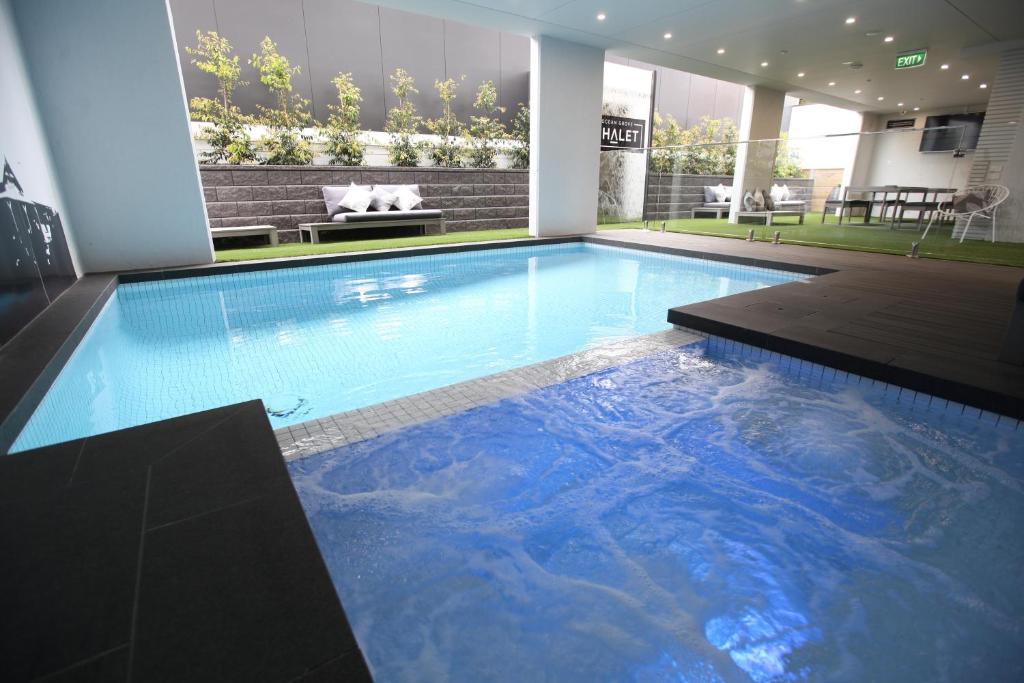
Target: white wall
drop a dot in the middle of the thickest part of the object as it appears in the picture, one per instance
(895, 159)
(108, 86)
(565, 136)
(24, 144)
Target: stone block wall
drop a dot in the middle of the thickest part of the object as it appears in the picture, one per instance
(674, 195)
(284, 196)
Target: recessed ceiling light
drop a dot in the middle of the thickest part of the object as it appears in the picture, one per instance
(831, 83)
(601, 16)
(880, 98)
(720, 50)
(899, 104)
(857, 92)
(888, 39)
(917, 108)
(944, 67)
(983, 86)
(800, 75)
(764, 64)
(965, 77)
(851, 20)
(668, 36)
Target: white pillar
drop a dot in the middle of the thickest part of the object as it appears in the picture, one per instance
(108, 85)
(565, 136)
(760, 119)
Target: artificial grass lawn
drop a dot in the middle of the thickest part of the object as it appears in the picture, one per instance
(307, 249)
(873, 237)
(856, 237)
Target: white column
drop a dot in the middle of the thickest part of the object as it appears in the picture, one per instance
(108, 86)
(565, 136)
(760, 119)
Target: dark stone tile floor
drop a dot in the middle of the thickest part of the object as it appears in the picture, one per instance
(175, 551)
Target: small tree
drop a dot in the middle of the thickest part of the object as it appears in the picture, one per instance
(484, 130)
(342, 131)
(285, 144)
(402, 122)
(667, 132)
(521, 134)
(227, 136)
(447, 126)
(787, 162)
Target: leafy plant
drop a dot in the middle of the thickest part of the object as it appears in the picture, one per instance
(708, 148)
(227, 136)
(402, 122)
(521, 133)
(285, 143)
(447, 126)
(787, 162)
(484, 129)
(342, 130)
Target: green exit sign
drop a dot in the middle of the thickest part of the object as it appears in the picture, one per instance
(910, 60)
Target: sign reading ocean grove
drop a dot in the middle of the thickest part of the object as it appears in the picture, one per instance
(619, 132)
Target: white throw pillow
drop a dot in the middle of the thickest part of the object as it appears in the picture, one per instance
(382, 199)
(778, 193)
(406, 199)
(721, 194)
(787, 194)
(356, 199)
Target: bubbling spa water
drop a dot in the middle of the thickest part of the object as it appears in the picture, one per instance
(697, 515)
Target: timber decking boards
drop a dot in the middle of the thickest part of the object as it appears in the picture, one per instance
(929, 325)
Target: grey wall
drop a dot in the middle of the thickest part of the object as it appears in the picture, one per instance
(688, 96)
(325, 37)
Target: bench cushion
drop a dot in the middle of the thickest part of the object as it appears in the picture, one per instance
(791, 203)
(385, 216)
(715, 205)
(333, 194)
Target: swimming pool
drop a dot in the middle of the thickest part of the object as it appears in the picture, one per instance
(711, 513)
(314, 341)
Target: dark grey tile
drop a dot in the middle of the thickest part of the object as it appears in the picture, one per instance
(243, 591)
(349, 668)
(67, 574)
(236, 460)
(107, 668)
(38, 472)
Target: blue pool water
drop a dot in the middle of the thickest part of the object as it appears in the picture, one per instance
(699, 515)
(315, 341)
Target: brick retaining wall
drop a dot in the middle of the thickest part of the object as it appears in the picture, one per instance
(673, 195)
(284, 196)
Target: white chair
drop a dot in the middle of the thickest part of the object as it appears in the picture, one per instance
(978, 200)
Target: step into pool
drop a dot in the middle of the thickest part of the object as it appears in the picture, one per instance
(314, 341)
(702, 514)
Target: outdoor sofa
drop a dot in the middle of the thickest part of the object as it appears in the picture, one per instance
(431, 221)
(718, 199)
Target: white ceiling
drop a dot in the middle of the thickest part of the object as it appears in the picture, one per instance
(813, 34)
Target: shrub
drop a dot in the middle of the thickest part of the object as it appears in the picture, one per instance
(521, 133)
(484, 129)
(402, 122)
(227, 136)
(447, 126)
(342, 131)
(708, 148)
(787, 162)
(285, 144)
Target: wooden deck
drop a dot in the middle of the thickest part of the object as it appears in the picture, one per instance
(932, 326)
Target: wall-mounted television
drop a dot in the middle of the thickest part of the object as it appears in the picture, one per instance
(955, 131)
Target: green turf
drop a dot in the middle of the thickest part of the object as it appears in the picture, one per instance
(856, 237)
(307, 249)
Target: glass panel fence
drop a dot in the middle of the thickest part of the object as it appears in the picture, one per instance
(896, 192)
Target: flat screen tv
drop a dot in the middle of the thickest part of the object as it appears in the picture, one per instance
(956, 131)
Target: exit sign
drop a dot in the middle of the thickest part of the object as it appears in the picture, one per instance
(910, 60)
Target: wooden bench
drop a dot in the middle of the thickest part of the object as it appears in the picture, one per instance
(246, 230)
(429, 226)
(769, 216)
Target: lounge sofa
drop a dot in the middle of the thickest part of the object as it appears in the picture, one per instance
(713, 205)
(431, 221)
